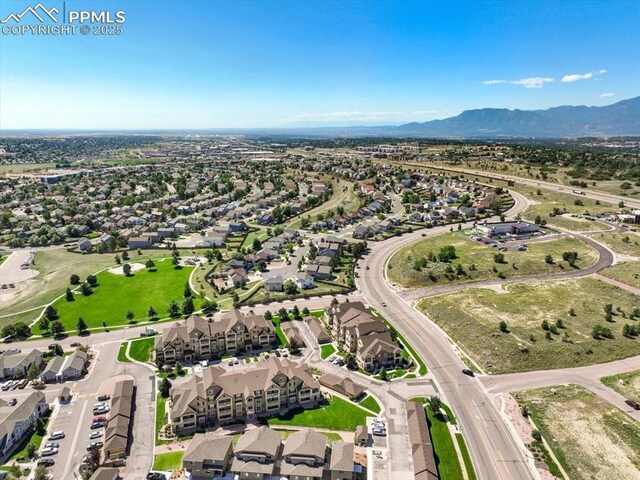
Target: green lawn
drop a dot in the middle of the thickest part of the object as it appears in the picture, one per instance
(122, 352)
(251, 236)
(580, 427)
(327, 350)
(338, 415)
(401, 269)
(445, 451)
(161, 406)
(626, 384)
(141, 349)
(370, 403)
(472, 319)
(117, 294)
(468, 464)
(168, 461)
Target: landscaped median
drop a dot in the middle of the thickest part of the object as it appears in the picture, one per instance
(168, 461)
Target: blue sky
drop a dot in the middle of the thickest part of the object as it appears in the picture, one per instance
(194, 64)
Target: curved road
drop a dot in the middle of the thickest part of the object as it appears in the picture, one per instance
(497, 453)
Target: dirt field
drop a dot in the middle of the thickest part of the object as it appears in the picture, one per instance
(592, 439)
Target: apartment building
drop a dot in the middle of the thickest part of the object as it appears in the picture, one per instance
(199, 338)
(16, 421)
(367, 337)
(217, 396)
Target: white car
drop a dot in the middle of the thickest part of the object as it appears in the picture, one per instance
(95, 434)
(48, 451)
(51, 445)
(332, 358)
(101, 405)
(380, 432)
(101, 410)
(56, 435)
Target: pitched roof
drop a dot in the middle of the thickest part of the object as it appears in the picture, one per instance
(208, 446)
(262, 440)
(341, 456)
(305, 442)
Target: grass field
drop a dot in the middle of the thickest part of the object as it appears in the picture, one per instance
(117, 294)
(327, 350)
(259, 234)
(24, 167)
(620, 243)
(141, 349)
(471, 318)
(445, 451)
(161, 408)
(338, 415)
(626, 384)
(625, 272)
(122, 352)
(370, 403)
(401, 271)
(168, 461)
(468, 464)
(590, 438)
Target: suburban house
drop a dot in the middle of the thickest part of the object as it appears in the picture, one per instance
(217, 396)
(261, 453)
(316, 327)
(367, 337)
(18, 420)
(274, 284)
(14, 363)
(208, 455)
(199, 338)
(343, 385)
(60, 369)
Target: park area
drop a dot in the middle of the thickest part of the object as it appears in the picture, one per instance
(410, 267)
(339, 414)
(117, 294)
(569, 309)
(590, 438)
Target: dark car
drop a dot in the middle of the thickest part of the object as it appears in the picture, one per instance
(632, 404)
(99, 419)
(95, 425)
(75, 344)
(156, 476)
(466, 371)
(46, 462)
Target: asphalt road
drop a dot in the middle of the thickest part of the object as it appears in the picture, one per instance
(496, 453)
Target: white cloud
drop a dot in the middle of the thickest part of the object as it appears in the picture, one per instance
(574, 77)
(611, 94)
(531, 82)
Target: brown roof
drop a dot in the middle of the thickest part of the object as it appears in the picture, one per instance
(342, 456)
(208, 446)
(424, 463)
(346, 385)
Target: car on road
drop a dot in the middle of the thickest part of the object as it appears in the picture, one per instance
(52, 445)
(46, 462)
(156, 476)
(12, 402)
(466, 371)
(53, 346)
(75, 344)
(48, 451)
(632, 404)
(423, 235)
(95, 434)
(56, 435)
(384, 304)
(92, 445)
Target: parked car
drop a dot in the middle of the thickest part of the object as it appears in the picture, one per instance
(56, 435)
(99, 419)
(12, 402)
(632, 404)
(379, 432)
(101, 410)
(104, 398)
(48, 451)
(75, 344)
(156, 476)
(95, 434)
(93, 445)
(95, 425)
(46, 462)
(52, 445)
(466, 371)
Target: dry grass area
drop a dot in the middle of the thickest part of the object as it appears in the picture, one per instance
(620, 243)
(591, 438)
(472, 319)
(401, 268)
(625, 272)
(626, 384)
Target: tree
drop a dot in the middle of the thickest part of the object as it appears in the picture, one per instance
(117, 259)
(74, 279)
(187, 290)
(40, 427)
(296, 312)
(350, 361)
(92, 280)
(188, 307)
(175, 261)
(570, 258)
(15, 472)
(50, 312)
(57, 351)
(151, 313)
(549, 259)
(33, 371)
(22, 330)
(608, 312)
(283, 314)
(435, 404)
(130, 315)
(81, 326)
(447, 253)
(126, 268)
(503, 327)
(43, 323)
(150, 264)
(209, 306)
(268, 316)
(8, 331)
(41, 472)
(31, 449)
(498, 257)
(57, 328)
(545, 325)
(384, 376)
(262, 266)
(305, 311)
(86, 290)
(125, 255)
(177, 369)
(69, 295)
(165, 387)
(290, 287)
(256, 245)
